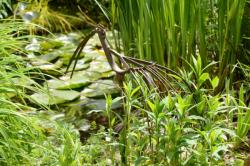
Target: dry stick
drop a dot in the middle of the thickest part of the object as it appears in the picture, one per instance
(163, 78)
(149, 126)
(102, 36)
(139, 62)
(132, 60)
(148, 79)
(150, 70)
(160, 79)
(145, 67)
(78, 51)
(120, 75)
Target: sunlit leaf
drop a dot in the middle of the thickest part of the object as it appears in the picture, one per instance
(215, 82)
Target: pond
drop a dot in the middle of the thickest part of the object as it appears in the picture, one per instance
(78, 99)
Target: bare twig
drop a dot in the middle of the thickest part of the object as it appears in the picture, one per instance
(154, 74)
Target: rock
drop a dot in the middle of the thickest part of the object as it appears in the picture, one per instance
(51, 44)
(100, 67)
(30, 16)
(79, 79)
(99, 88)
(33, 46)
(55, 97)
(50, 56)
(80, 65)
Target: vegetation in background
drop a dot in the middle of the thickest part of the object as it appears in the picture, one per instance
(40, 12)
(170, 32)
(56, 16)
(190, 124)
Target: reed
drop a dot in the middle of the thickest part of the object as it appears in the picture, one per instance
(171, 31)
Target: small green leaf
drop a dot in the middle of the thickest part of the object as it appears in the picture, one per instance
(215, 82)
(113, 121)
(203, 78)
(151, 105)
(201, 106)
(117, 99)
(241, 96)
(168, 101)
(199, 65)
(195, 117)
(135, 90)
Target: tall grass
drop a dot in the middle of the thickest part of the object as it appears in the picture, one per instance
(26, 138)
(170, 31)
(43, 15)
(5, 6)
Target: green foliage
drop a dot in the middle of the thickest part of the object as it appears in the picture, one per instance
(171, 31)
(243, 121)
(190, 124)
(40, 13)
(188, 128)
(176, 130)
(26, 138)
(174, 133)
(5, 6)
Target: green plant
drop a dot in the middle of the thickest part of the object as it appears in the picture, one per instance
(176, 135)
(39, 12)
(5, 6)
(169, 32)
(111, 124)
(188, 128)
(243, 117)
(26, 137)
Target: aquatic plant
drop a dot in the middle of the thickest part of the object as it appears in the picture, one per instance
(169, 32)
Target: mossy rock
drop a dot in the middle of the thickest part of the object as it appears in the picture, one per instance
(51, 44)
(100, 88)
(53, 69)
(55, 97)
(79, 79)
(100, 67)
(50, 56)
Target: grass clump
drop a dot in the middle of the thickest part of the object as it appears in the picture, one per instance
(170, 32)
(26, 138)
